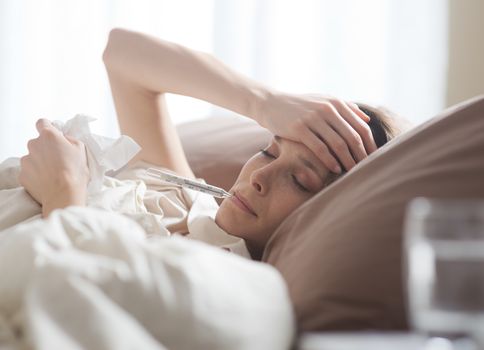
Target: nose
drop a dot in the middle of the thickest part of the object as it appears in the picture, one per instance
(260, 179)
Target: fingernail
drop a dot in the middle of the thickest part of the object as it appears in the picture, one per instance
(337, 169)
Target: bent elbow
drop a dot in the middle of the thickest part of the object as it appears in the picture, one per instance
(115, 42)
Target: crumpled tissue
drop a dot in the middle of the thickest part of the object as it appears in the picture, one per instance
(104, 155)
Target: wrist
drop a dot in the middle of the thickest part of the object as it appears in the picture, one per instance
(259, 100)
(64, 200)
(69, 195)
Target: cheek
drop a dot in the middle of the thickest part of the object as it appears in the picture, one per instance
(282, 206)
(252, 164)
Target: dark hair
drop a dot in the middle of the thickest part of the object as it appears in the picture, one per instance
(383, 126)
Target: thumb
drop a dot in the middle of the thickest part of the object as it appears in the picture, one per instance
(43, 124)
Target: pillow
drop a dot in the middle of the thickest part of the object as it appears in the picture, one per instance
(218, 147)
(341, 252)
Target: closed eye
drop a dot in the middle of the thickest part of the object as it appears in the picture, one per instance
(294, 178)
(267, 154)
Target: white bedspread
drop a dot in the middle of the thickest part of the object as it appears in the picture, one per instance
(86, 278)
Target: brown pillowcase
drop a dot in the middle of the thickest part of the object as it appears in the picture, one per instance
(218, 147)
(341, 252)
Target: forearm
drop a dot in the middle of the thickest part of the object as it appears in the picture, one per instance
(161, 66)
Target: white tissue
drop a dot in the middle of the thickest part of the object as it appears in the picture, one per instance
(103, 153)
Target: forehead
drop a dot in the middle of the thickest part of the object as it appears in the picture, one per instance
(306, 156)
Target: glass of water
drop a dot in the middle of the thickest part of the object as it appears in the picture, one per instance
(444, 253)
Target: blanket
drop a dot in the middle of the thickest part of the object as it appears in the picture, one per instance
(87, 278)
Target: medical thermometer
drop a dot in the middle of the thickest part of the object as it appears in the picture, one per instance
(188, 183)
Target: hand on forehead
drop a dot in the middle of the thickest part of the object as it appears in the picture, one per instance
(307, 156)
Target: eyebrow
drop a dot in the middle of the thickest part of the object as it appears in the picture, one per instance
(306, 162)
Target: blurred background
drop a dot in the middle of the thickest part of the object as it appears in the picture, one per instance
(414, 57)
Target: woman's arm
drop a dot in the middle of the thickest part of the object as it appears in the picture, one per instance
(141, 68)
(160, 66)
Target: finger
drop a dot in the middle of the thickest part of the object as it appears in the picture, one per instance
(317, 146)
(43, 124)
(336, 144)
(345, 129)
(354, 107)
(364, 130)
(30, 145)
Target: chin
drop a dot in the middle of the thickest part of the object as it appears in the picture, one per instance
(221, 219)
(230, 222)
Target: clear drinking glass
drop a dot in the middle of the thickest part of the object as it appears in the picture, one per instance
(444, 252)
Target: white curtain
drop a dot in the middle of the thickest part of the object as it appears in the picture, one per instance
(379, 51)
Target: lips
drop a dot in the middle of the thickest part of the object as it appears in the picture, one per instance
(242, 202)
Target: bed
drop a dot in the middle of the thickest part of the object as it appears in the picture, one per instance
(88, 279)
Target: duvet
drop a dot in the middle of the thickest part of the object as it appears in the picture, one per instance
(86, 278)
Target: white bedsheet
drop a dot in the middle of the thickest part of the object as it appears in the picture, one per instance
(88, 279)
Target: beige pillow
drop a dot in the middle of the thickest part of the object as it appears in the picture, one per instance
(341, 252)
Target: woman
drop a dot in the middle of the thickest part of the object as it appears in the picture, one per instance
(316, 137)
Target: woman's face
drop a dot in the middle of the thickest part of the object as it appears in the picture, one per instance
(272, 184)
